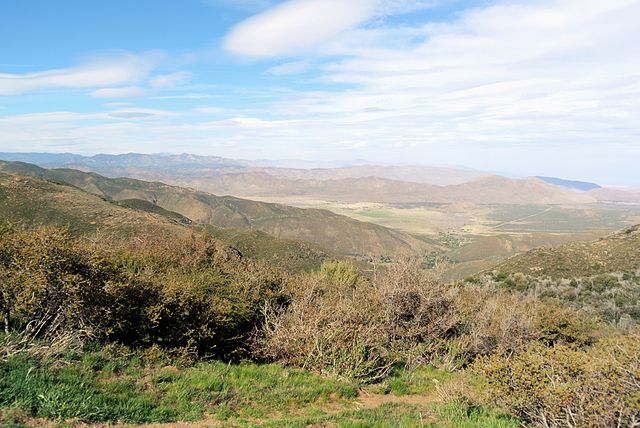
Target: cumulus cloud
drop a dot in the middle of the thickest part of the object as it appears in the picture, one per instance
(296, 25)
(119, 70)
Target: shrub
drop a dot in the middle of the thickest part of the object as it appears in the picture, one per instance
(563, 385)
(195, 293)
(345, 325)
(47, 285)
(336, 321)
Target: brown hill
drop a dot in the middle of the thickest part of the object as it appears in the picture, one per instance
(440, 176)
(334, 232)
(35, 202)
(485, 190)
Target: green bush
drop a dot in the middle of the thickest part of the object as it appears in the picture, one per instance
(194, 293)
(563, 385)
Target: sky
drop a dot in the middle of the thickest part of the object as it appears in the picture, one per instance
(529, 87)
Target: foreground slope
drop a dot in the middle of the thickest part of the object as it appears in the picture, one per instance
(334, 232)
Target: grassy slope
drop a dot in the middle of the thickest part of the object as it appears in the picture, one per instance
(35, 202)
(337, 233)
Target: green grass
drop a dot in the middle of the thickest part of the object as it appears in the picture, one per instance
(101, 387)
(98, 388)
(376, 213)
(422, 380)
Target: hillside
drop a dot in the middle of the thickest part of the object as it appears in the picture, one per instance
(440, 176)
(328, 230)
(34, 202)
(613, 195)
(599, 277)
(619, 252)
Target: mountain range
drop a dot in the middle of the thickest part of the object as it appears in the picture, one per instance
(350, 184)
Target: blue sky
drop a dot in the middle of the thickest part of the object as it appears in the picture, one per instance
(545, 87)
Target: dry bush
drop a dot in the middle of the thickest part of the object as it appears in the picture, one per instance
(47, 285)
(338, 322)
(345, 325)
(494, 319)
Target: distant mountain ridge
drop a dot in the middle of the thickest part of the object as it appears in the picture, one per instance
(482, 190)
(570, 184)
(163, 166)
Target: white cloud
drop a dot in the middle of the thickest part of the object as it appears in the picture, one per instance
(124, 69)
(296, 25)
(134, 113)
(549, 72)
(184, 97)
(170, 80)
(294, 67)
(209, 110)
(124, 92)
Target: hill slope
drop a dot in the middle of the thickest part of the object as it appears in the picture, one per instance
(601, 277)
(619, 252)
(337, 233)
(622, 196)
(35, 202)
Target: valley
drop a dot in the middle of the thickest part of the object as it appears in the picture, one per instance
(466, 221)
